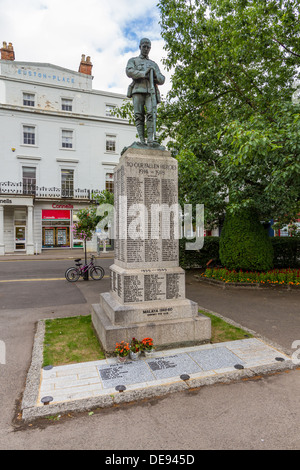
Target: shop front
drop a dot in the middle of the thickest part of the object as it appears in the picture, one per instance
(57, 223)
(56, 228)
(16, 225)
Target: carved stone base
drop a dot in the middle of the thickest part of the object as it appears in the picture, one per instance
(175, 323)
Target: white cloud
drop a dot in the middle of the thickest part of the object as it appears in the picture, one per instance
(60, 31)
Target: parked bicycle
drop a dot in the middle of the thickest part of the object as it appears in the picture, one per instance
(74, 273)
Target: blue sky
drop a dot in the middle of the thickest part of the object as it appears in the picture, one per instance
(60, 31)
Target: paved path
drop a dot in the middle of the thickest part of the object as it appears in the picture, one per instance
(104, 383)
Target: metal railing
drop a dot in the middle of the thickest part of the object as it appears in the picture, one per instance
(11, 188)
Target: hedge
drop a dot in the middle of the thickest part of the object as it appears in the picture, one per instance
(286, 253)
(199, 258)
(244, 242)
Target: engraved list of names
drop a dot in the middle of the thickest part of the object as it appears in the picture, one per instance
(150, 223)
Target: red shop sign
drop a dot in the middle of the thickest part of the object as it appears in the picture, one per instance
(52, 214)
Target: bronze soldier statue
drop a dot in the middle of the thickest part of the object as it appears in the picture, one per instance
(144, 92)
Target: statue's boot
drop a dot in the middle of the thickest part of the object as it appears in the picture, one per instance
(141, 134)
(151, 138)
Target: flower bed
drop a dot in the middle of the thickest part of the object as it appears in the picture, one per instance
(275, 276)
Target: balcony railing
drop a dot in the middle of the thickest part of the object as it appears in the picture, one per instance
(11, 188)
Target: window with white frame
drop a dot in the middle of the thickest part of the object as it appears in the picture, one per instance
(109, 110)
(29, 135)
(66, 104)
(28, 99)
(67, 183)
(109, 182)
(20, 216)
(111, 143)
(29, 179)
(67, 139)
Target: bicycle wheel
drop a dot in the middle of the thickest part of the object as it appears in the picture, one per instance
(97, 273)
(72, 275)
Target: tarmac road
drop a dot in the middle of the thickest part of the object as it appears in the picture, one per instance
(252, 414)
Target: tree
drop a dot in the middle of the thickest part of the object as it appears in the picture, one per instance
(85, 225)
(104, 197)
(88, 219)
(229, 115)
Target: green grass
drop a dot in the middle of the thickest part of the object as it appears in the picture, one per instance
(222, 331)
(70, 340)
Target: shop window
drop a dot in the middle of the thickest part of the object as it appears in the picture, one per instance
(109, 182)
(67, 183)
(77, 243)
(56, 228)
(29, 180)
(67, 139)
(29, 135)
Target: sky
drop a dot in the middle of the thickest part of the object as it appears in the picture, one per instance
(60, 31)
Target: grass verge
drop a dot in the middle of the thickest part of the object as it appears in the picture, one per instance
(72, 339)
(222, 331)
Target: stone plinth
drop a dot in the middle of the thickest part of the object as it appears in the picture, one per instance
(147, 295)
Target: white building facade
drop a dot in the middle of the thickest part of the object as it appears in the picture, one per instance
(59, 144)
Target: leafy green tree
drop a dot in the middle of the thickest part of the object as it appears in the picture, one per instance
(85, 225)
(88, 219)
(104, 197)
(230, 116)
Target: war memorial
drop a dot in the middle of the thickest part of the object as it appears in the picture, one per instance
(147, 292)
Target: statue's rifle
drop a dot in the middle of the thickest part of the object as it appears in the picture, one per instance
(154, 102)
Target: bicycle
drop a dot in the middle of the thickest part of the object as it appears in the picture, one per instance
(74, 273)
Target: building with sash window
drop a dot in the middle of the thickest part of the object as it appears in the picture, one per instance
(59, 145)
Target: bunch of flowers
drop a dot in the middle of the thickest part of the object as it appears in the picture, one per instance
(122, 349)
(135, 345)
(81, 232)
(147, 344)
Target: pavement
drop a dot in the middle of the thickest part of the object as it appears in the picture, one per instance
(55, 254)
(106, 383)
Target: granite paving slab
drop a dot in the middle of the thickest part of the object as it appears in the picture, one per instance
(215, 359)
(172, 366)
(131, 372)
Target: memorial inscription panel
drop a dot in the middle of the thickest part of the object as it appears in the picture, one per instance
(124, 374)
(150, 236)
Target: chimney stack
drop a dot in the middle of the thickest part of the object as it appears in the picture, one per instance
(85, 65)
(7, 51)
